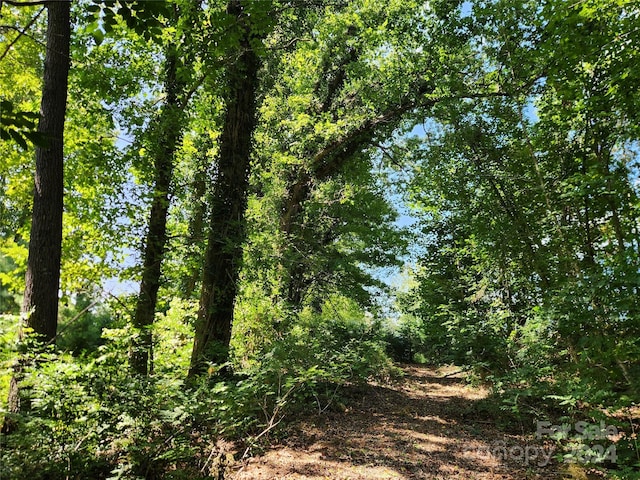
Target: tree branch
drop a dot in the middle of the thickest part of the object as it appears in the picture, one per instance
(332, 157)
(187, 96)
(21, 32)
(30, 3)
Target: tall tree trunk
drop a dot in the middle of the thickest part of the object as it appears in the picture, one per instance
(166, 139)
(45, 245)
(228, 204)
(42, 280)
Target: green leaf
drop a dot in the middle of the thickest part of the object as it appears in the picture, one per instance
(19, 139)
(98, 36)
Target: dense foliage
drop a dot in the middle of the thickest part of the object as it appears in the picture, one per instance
(234, 174)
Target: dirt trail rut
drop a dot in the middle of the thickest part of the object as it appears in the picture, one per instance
(426, 426)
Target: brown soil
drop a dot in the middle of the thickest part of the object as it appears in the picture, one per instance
(427, 426)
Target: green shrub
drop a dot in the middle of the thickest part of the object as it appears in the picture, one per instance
(89, 417)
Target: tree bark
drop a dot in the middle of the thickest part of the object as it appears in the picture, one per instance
(45, 245)
(166, 140)
(228, 204)
(197, 222)
(42, 281)
(326, 162)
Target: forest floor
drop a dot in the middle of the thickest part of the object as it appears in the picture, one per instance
(428, 425)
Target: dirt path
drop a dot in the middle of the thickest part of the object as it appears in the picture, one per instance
(425, 427)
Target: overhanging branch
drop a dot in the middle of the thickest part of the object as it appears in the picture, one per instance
(21, 33)
(332, 157)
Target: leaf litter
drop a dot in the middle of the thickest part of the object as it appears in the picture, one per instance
(425, 426)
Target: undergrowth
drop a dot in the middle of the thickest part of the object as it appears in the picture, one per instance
(86, 416)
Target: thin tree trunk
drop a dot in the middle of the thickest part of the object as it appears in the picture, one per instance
(510, 207)
(42, 280)
(166, 139)
(589, 249)
(604, 157)
(197, 222)
(228, 204)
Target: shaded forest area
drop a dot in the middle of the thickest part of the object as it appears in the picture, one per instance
(216, 216)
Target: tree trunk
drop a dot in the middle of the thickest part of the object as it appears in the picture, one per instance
(45, 245)
(326, 162)
(42, 279)
(166, 139)
(228, 204)
(197, 222)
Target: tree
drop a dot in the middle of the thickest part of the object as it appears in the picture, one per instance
(40, 302)
(228, 201)
(166, 139)
(375, 71)
(544, 268)
(164, 143)
(45, 243)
